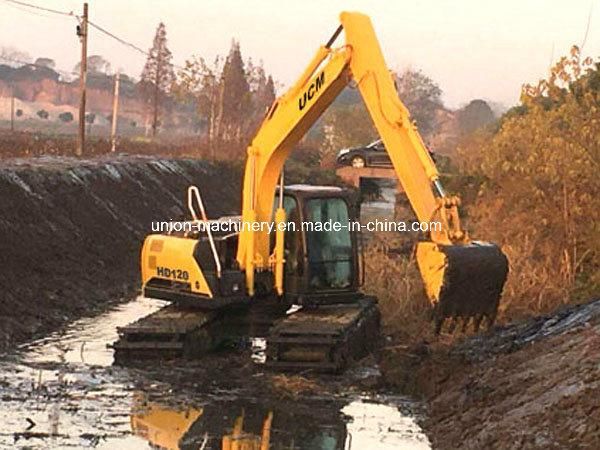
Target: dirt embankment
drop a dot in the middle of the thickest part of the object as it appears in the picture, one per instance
(534, 384)
(71, 230)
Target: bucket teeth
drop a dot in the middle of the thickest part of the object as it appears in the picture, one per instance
(466, 282)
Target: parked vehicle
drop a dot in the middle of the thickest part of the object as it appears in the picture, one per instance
(372, 155)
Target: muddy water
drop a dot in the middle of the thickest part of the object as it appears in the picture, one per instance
(64, 392)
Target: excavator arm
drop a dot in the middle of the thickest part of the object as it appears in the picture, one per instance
(449, 262)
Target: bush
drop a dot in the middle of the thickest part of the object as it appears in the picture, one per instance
(43, 114)
(66, 117)
(539, 196)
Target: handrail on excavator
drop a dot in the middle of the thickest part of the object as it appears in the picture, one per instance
(194, 194)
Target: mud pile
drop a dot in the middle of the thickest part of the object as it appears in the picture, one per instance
(533, 384)
(71, 230)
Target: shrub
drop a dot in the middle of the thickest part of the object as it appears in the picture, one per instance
(539, 196)
(66, 117)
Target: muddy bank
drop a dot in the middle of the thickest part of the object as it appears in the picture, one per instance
(533, 384)
(71, 230)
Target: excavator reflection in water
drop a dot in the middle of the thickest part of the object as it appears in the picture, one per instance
(213, 427)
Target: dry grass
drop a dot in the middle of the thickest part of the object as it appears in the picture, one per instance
(293, 386)
(393, 277)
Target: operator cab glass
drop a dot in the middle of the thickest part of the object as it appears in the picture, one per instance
(318, 243)
(328, 244)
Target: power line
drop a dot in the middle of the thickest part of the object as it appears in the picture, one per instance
(118, 39)
(587, 28)
(124, 42)
(41, 8)
(95, 25)
(29, 11)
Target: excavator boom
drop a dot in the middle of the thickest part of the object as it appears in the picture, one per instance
(463, 279)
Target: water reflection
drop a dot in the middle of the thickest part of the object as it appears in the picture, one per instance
(239, 425)
(65, 385)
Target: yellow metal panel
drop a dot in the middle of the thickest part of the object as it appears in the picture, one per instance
(174, 261)
(290, 119)
(432, 265)
(410, 158)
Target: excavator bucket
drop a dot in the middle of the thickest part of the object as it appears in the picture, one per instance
(463, 282)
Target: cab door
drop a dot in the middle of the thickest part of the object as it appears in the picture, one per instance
(294, 278)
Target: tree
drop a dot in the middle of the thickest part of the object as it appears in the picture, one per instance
(234, 96)
(477, 114)
(421, 95)
(14, 57)
(231, 98)
(199, 82)
(157, 76)
(539, 194)
(262, 90)
(43, 114)
(45, 62)
(96, 64)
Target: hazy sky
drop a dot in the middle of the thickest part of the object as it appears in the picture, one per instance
(471, 48)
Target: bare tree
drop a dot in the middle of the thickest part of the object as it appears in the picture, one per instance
(231, 96)
(13, 57)
(199, 83)
(157, 76)
(262, 89)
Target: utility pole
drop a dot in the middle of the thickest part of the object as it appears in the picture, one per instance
(82, 32)
(115, 113)
(12, 108)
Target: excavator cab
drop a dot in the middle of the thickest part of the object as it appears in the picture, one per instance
(322, 273)
(321, 245)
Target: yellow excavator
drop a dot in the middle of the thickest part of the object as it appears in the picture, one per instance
(211, 274)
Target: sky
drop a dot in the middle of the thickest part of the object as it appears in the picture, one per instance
(471, 48)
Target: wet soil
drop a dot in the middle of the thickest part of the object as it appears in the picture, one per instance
(71, 230)
(63, 392)
(532, 384)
